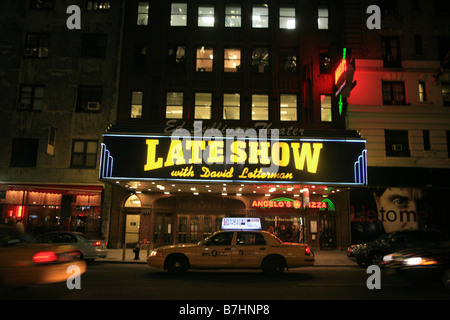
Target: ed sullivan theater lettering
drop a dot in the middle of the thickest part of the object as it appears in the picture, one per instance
(147, 157)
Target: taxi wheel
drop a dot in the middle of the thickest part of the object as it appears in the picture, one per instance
(176, 264)
(273, 265)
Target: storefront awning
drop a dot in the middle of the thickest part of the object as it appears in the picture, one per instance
(60, 189)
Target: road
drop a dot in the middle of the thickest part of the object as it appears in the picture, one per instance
(115, 281)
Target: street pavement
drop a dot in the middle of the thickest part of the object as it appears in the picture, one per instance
(323, 257)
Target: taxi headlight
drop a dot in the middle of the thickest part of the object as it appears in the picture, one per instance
(156, 253)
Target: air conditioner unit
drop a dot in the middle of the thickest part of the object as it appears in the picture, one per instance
(397, 147)
(93, 106)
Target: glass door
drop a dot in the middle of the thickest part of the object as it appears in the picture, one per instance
(162, 230)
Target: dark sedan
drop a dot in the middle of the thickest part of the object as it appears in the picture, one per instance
(372, 253)
(424, 263)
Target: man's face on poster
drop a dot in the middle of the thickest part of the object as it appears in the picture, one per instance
(397, 208)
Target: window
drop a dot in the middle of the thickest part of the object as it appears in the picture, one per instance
(221, 239)
(94, 46)
(174, 105)
(422, 93)
(233, 16)
(288, 107)
(389, 7)
(232, 60)
(445, 89)
(250, 239)
(260, 16)
(136, 104)
(390, 48)
(447, 133)
(177, 55)
(260, 107)
(393, 93)
(444, 51)
(24, 152)
(31, 98)
(203, 105)
(418, 46)
(178, 16)
(260, 60)
(206, 16)
(205, 58)
(322, 18)
(42, 4)
(288, 61)
(324, 61)
(37, 45)
(397, 143)
(287, 18)
(325, 108)
(139, 57)
(142, 16)
(89, 98)
(194, 229)
(84, 154)
(231, 106)
(98, 5)
(426, 140)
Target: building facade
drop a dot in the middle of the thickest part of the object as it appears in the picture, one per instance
(58, 95)
(400, 106)
(207, 69)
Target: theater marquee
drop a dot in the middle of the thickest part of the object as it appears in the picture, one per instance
(158, 157)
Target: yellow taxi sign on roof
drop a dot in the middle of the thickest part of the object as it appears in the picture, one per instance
(241, 223)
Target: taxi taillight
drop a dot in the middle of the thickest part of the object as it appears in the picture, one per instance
(45, 257)
(307, 250)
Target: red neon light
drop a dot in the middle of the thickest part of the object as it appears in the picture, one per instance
(340, 70)
(19, 211)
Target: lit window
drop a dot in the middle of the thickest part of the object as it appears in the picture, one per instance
(288, 61)
(260, 107)
(287, 18)
(231, 106)
(232, 60)
(322, 19)
(446, 94)
(422, 93)
(203, 106)
(325, 108)
(136, 104)
(233, 16)
(142, 18)
(84, 154)
(37, 45)
(260, 16)
(260, 60)
(98, 5)
(178, 15)
(31, 98)
(174, 105)
(206, 16)
(205, 58)
(288, 107)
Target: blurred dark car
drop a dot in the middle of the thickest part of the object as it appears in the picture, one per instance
(23, 263)
(422, 263)
(91, 249)
(372, 253)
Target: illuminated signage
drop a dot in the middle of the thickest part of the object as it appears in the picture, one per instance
(241, 224)
(293, 160)
(340, 71)
(286, 203)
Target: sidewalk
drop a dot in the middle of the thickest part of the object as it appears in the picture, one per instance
(323, 257)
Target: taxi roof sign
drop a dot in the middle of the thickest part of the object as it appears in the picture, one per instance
(241, 223)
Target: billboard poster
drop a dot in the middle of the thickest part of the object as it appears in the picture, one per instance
(376, 211)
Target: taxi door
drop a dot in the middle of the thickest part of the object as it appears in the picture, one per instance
(250, 248)
(216, 251)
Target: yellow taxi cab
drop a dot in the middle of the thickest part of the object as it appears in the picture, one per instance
(241, 244)
(23, 263)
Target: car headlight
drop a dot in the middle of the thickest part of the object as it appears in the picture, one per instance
(156, 253)
(418, 261)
